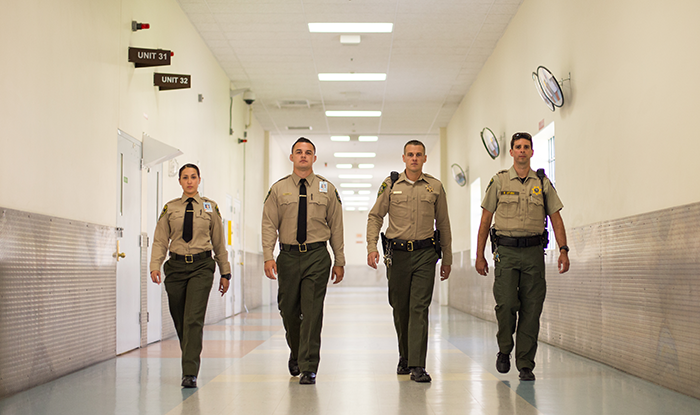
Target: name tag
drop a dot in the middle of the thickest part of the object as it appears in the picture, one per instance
(207, 207)
(323, 187)
(510, 193)
(397, 192)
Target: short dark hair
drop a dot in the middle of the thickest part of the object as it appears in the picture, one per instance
(413, 143)
(188, 165)
(303, 140)
(520, 136)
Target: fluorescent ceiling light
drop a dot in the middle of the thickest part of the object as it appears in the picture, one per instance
(355, 185)
(348, 192)
(349, 208)
(352, 77)
(353, 113)
(366, 166)
(343, 166)
(355, 203)
(355, 176)
(363, 208)
(356, 198)
(351, 27)
(355, 155)
(368, 138)
(363, 192)
(340, 138)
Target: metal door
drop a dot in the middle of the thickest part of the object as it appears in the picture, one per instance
(154, 206)
(128, 243)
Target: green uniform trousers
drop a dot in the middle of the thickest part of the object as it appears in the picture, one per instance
(188, 287)
(519, 288)
(411, 280)
(302, 279)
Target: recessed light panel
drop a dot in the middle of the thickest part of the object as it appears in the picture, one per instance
(343, 166)
(355, 176)
(355, 155)
(368, 138)
(351, 27)
(365, 166)
(340, 138)
(355, 185)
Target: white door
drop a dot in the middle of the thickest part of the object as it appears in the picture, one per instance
(128, 241)
(237, 264)
(154, 206)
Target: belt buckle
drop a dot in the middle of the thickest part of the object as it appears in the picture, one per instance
(409, 245)
(189, 259)
(305, 247)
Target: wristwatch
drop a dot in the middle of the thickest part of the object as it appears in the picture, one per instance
(228, 276)
(564, 247)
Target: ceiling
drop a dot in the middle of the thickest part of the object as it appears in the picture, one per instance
(431, 58)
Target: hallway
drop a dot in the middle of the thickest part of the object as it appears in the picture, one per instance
(244, 371)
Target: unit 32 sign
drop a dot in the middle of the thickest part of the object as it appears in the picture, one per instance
(172, 81)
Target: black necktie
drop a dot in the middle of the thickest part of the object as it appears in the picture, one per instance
(187, 226)
(301, 218)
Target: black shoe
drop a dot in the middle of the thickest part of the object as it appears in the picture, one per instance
(402, 368)
(526, 374)
(307, 378)
(420, 375)
(293, 366)
(503, 362)
(189, 381)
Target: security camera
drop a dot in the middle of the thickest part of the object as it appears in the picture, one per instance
(249, 97)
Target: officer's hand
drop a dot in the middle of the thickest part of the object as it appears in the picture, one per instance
(223, 286)
(373, 259)
(563, 262)
(155, 277)
(445, 272)
(338, 274)
(482, 267)
(271, 269)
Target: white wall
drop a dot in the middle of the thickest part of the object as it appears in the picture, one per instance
(625, 136)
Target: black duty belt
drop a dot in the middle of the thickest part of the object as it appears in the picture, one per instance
(401, 245)
(190, 258)
(524, 242)
(302, 247)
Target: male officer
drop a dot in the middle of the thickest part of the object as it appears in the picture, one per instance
(521, 201)
(304, 211)
(416, 204)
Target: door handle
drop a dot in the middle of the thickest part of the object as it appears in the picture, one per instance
(119, 254)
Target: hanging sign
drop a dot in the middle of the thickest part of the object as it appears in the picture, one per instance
(171, 81)
(149, 57)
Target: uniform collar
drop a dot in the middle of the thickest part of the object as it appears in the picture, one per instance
(309, 179)
(196, 198)
(402, 176)
(512, 174)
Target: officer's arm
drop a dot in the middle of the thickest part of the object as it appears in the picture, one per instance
(481, 264)
(560, 235)
(442, 223)
(270, 225)
(219, 242)
(334, 217)
(375, 217)
(161, 237)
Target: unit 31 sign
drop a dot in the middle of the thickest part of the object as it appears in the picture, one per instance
(149, 57)
(172, 81)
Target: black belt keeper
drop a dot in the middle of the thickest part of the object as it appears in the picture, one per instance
(188, 259)
(524, 242)
(302, 247)
(410, 246)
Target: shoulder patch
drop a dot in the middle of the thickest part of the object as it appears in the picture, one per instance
(490, 183)
(338, 196)
(268, 195)
(165, 209)
(216, 208)
(381, 189)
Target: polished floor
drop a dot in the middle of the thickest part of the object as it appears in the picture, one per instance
(244, 371)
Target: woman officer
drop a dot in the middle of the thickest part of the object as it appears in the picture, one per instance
(189, 227)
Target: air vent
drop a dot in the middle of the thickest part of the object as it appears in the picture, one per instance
(299, 128)
(294, 103)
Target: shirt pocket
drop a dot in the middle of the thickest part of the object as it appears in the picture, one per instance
(201, 226)
(317, 208)
(508, 206)
(429, 198)
(399, 206)
(289, 206)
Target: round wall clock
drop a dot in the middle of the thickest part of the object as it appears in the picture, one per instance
(490, 142)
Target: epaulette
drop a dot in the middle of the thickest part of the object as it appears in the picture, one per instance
(321, 177)
(280, 179)
(503, 171)
(174, 200)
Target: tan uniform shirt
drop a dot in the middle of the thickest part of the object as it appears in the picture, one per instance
(207, 232)
(324, 213)
(415, 211)
(519, 207)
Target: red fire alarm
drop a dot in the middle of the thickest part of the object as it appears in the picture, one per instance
(139, 26)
